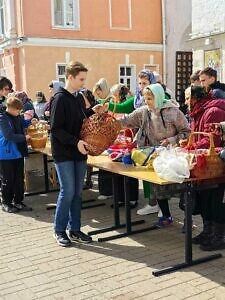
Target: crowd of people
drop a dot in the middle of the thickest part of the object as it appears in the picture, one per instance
(153, 114)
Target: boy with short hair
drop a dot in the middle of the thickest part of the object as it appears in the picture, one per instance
(13, 149)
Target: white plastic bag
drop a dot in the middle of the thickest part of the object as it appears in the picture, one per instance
(172, 166)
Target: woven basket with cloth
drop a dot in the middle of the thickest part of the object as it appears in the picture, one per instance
(99, 131)
(206, 164)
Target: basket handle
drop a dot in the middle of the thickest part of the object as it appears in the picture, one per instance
(212, 150)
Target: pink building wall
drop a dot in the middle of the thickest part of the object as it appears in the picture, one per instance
(31, 66)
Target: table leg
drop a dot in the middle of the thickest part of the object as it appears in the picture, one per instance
(128, 223)
(117, 224)
(188, 240)
(46, 189)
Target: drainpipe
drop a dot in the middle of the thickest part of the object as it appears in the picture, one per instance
(164, 40)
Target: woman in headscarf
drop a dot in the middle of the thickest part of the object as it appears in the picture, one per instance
(205, 110)
(160, 122)
(145, 77)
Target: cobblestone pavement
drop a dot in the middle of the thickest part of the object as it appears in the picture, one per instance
(33, 266)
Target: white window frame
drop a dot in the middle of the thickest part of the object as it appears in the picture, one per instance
(132, 77)
(60, 77)
(2, 30)
(76, 16)
(129, 16)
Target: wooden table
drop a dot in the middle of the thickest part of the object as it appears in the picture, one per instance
(141, 173)
(189, 186)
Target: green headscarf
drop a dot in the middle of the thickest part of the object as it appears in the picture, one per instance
(159, 95)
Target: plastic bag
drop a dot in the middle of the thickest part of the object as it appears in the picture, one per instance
(172, 165)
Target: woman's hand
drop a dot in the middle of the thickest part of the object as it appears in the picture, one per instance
(82, 147)
(214, 128)
(164, 142)
(34, 121)
(27, 137)
(99, 109)
(183, 143)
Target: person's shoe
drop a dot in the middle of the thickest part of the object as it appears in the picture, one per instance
(164, 222)
(133, 204)
(62, 239)
(120, 204)
(22, 206)
(217, 240)
(88, 185)
(204, 236)
(160, 214)
(9, 208)
(148, 209)
(103, 197)
(183, 228)
(80, 237)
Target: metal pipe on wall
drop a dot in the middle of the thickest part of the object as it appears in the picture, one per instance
(163, 7)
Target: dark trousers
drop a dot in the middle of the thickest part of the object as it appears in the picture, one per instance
(133, 184)
(12, 180)
(105, 185)
(211, 204)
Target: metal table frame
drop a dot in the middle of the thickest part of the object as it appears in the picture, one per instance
(189, 188)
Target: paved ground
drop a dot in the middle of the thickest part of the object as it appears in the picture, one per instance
(33, 266)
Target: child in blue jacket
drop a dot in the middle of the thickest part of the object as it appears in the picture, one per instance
(13, 149)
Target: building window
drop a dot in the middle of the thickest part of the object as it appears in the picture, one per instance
(127, 76)
(66, 14)
(2, 21)
(60, 72)
(183, 73)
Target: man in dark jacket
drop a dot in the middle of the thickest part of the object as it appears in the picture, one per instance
(208, 78)
(70, 154)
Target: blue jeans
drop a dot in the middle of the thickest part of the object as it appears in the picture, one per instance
(68, 210)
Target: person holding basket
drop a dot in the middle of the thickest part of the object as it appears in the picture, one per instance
(70, 154)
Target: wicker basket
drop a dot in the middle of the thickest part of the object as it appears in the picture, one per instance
(38, 136)
(99, 132)
(38, 142)
(214, 166)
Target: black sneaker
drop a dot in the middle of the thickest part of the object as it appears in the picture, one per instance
(80, 237)
(9, 208)
(88, 185)
(133, 204)
(22, 206)
(62, 239)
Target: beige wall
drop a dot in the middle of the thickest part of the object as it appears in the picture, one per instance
(41, 62)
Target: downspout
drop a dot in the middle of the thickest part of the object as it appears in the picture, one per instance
(164, 40)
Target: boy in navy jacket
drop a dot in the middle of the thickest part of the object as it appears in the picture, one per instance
(13, 149)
